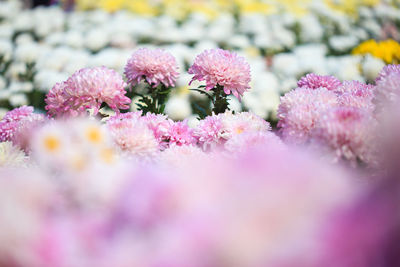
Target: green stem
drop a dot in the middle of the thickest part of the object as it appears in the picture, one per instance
(220, 100)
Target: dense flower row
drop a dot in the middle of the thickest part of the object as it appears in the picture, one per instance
(46, 45)
(181, 8)
(141, 189)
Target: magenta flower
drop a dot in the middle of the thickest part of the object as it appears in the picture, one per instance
(356, 94)
(86, 89)
(300, 110)
(160, 125)
(314, 81)
(17, 124)
(386, 71)
(347, 132)
(153, 65)
(181, 134)
(224, 68)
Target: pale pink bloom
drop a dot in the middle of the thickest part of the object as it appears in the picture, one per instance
(215, 130)
(387, 92)
(17, 125)
(347, 132)
(224, 68)
(152, 65)
(314, 81)
(131, 135)
(356, 94)
(160, 125)
(87, 89)
(209, 132)
(386, 71)
(180, 133)
(245, 141)
(300, 110)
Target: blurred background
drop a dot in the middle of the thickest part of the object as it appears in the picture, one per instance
(43, 42)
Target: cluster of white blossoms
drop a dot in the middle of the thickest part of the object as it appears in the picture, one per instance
(280, 48)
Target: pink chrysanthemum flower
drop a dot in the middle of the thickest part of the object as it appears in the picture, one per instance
(209, 131)
(153, 65)
(18, 123)
(356, 94)
(243, 122)
(300, 110)
(160, 125)
(243, 142)
(387, 91)
(215, 130)
(224, 68)
(181, 134)
(86, 89)
(386, 71)
(314, 81)
(131, 135)
(347, 132)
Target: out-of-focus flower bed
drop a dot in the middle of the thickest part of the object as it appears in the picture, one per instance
(196, 140)
(43, 46)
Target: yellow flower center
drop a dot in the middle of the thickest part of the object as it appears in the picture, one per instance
(52, 143)
(93, 134)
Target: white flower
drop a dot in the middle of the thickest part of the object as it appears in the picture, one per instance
(74, 39)
(3, 83)
(23, 87)
(286, 63)
(46, 79)
(371, 66)
(6, 30)
(11, 156)
(6, 49)
(311, 29)
(178, 107)
(17, 100)
(96, 39)
(27, 52)
(343, 43)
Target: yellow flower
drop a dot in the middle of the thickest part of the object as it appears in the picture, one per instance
(349, 7)
(111, 5)
(388, 50)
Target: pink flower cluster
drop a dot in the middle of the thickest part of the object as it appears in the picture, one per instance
(17, 125)
(87, 89)
(147, 135)
(335, 114)
(215, 130)
(131, 131)
(224, 68)
(152, 65)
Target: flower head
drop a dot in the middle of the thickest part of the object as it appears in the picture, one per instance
(314, 81)
(17, 124)
(300, 110)
(386, 71)
(86, 89)
(356, 94)
(181, 134)
(131, 135)
(224, 68)
(153, 65)
(215, 130)
(346, 131)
